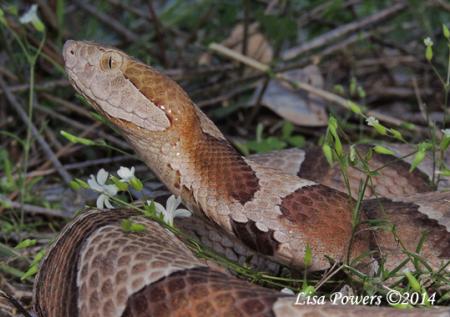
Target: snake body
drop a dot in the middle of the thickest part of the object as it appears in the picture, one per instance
(263, 210)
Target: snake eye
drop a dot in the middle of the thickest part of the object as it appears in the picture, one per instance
(110, 61)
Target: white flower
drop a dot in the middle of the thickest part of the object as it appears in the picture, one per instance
(287, 291)
(171, 210)
(428, 42)
(372, 121)
(446, 132)
(30, 15)
(99, 184)
(126, 174)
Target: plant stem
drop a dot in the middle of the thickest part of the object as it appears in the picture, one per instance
(27, 142)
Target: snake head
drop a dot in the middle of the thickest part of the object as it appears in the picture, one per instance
(132, 95)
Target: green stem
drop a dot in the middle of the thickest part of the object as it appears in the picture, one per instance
(32, 65)
(27, 142)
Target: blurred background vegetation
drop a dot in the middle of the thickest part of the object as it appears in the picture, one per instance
(370, 52)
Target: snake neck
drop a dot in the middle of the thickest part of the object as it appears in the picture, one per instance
(199, 165)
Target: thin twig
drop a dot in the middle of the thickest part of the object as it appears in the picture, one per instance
(343, 30)
(257, 105)
(44, 145)
(82, 127)
(67, 104)
(226, 96)
(32, 208)
(81, 165)
(42, 86)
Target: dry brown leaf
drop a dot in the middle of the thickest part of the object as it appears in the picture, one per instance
(301, 108)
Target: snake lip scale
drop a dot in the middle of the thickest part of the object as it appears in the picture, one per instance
(274, 213)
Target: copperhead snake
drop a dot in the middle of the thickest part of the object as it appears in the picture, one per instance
(268, 206)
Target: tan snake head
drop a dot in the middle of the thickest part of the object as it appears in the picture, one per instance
(132, 95)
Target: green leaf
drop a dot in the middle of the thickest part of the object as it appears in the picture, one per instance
(382, 150)
(445, 142)
(445, 172)
(296, 140)
(79, 184)
(339, 89)
(352, 155)
(266, 145)
(332, 125)
(25, 244)
(409, 125)
(332, 128)
(396, 134)
(420, 156)
(338, 146)
(38, 257)
(38, 25)
(413, 282)
(354, 107)
(326, 149)
(429, 53)
(446, 31)
(287, 130)
(74, 185)
(381, 129)
(361, 92)
(137, 227)
(309, 290)
(129, 226)
(31, 272)
(75, 139)
(2, 18)
(122, 186)
(150, 210)
(136, 183)
(425, 146)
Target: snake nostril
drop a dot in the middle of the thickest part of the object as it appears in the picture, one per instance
(69, 49)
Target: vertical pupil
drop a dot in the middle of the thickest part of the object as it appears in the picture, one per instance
(110, 62)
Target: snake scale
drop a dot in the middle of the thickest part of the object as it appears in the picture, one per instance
(270, 206)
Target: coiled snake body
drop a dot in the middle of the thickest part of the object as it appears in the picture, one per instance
(96, 269)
